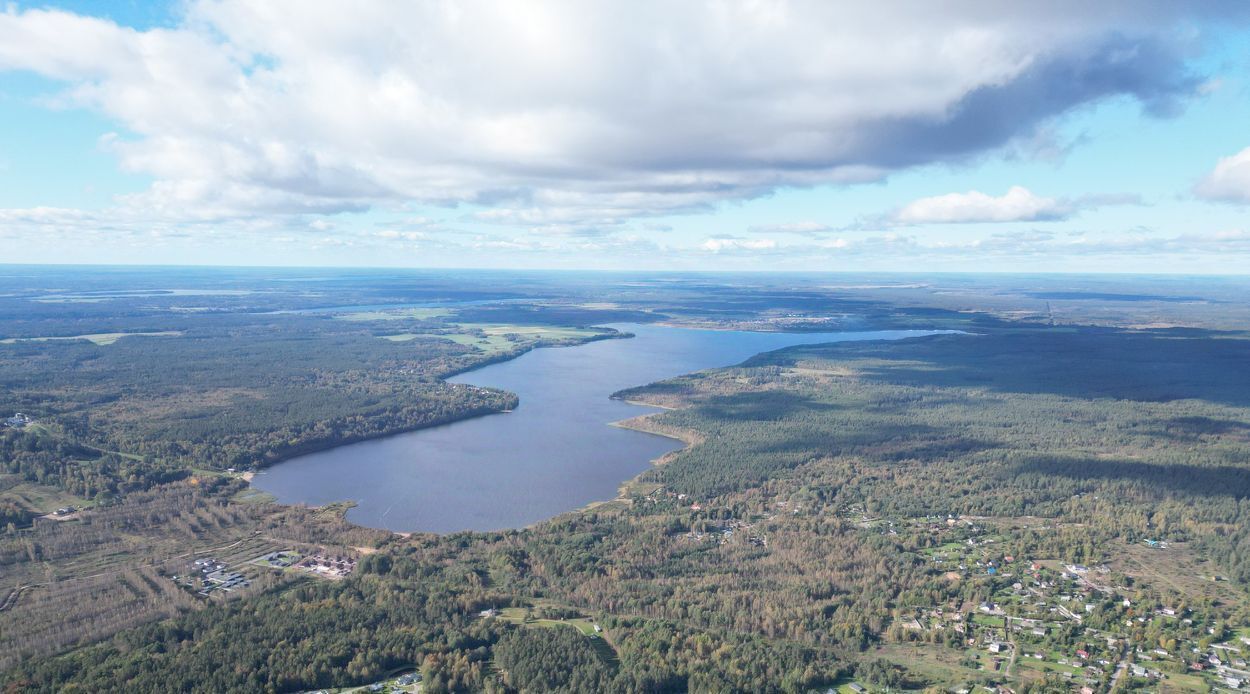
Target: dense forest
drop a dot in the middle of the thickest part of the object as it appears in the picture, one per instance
(843, 509)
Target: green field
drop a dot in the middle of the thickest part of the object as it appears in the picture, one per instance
(1046, 666)
(403, 337)
(1186, 683)
(495, 338)
(516, 615)
(251, 495)
(400, 314)
(97, 338)
(39, 498)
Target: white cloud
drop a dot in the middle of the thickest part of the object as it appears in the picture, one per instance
(718, 244)
(1018, 204)
(1229, 181)
(807, 228)
(581, 113)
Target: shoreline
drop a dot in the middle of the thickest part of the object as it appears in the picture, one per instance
(643, 424)
(444, 378)
(642, 403)
(638, 423)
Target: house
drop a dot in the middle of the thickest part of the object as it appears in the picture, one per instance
(857, 688)
(989, 608)
(19, 420)
(997, 647)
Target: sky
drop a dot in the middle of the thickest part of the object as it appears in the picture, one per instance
(906, 136)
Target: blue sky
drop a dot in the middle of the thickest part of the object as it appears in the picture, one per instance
(757, 136)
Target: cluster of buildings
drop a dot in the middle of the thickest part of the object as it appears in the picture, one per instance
(1226, 663)
(211, 576)
(19, 420)
(278, 560)
(403, 683)
(725, 532)
(317, 564)
(334, 567)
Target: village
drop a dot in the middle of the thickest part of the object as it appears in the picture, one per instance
(1092, 627)
(721, 531)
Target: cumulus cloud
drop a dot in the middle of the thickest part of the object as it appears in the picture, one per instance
(1229, 181)
(589, 113)
(1018, 204)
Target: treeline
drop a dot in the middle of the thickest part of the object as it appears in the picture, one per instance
(13, 515)
(245, 391)
(79, 470)
(263, 435)
(318, 634)
(550, 660)
(242, 396)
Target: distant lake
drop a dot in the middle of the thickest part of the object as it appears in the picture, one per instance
(554, 453)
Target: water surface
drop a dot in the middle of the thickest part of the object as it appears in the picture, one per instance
(554, 453)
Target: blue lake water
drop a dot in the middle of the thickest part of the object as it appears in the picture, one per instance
(554, 453)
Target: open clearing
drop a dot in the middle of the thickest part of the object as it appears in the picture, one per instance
(582, 623)
(1179, 567)
(503, 337)
(38, 498)
(397, 314)
(494, 338)
(96, 338)
(516, 615)
(941, 664)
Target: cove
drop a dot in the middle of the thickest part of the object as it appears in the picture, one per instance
(554, 453)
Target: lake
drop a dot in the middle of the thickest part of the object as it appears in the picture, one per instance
(554, 453)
